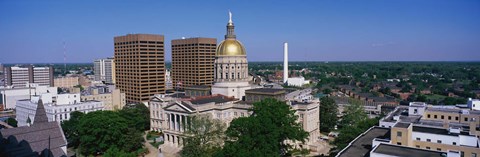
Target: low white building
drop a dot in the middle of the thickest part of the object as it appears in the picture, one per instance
(473, 104)
(9, 95)
(297, 81)
(58, 107)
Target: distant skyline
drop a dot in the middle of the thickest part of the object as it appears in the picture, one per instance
(316, 30)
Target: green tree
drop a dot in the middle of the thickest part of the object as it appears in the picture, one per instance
(138, 116)
(70, 128)
(348, 133)
(264, 132)
(101, 130)
(79, 86)
(353, 113)
(327, 91)
(115, 152)
(204, 136)
(328, 114)
(12, 122)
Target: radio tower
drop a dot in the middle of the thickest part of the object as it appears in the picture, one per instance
(64, 58)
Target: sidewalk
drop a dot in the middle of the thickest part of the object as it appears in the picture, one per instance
(153, 152)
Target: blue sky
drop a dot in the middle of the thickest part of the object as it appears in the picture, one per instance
(317, 30)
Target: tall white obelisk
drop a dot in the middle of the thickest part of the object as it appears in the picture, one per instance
(285, 62)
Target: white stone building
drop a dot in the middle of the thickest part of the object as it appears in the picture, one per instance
(297, 81)
(169, 112)
(9, 95)
(58, 107)
(104, 70)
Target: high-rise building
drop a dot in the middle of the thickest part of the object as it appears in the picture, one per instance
(20, 76)
(140, 66)
(231, 66)
(192, 61)
(104, 70)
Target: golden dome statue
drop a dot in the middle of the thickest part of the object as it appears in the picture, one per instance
(230, 46)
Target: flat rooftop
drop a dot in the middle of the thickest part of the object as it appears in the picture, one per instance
(439, 131)
(452, 110)
(402, 125)
(215, 99)
(363, 145)
(201, 87)
(266, 90)
(402, 151)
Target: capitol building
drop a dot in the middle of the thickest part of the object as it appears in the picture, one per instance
(231, 96)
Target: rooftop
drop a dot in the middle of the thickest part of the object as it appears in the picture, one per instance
(363, 144)
(440, 131)
(42, 134)
(202, 87)
(452, 109)
(402, 151)
(402, 125)
(266, 90)
(209, 99)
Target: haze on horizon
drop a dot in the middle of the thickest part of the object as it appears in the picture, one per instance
(374, 30)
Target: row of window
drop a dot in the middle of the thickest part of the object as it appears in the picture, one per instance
(429, 140)
(136, 42)
(197, 44)
(449, 117)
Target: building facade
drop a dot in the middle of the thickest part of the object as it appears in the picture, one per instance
(9, 96)
(21, 76)
(58, 107)
(231, 66)
(66, 82)
(192, 61)
(112, 99)
(104, 70)
(140, 66)
(169, 113)
(445, 129)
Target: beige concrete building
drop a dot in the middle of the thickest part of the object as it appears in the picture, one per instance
(407, 131)
(112, 99)
(21, 76)
(440, 128)
(258, 94)
(140, 66)
(192, 61)
(66, 82)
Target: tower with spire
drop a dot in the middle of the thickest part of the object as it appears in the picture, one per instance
(231, 65)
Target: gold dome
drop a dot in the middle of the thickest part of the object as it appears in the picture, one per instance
(230, 47)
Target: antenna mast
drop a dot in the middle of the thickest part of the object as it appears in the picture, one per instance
(64, 57)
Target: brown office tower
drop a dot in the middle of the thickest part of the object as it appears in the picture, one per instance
(192, 61)
(140, 66)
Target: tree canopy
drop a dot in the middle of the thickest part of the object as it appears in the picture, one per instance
(70, 128)
(137, 115)
(102, 130)
(264, 132)
(96, 132)
(204, 136)
(353, 113)
(328, 114)
(12, 122)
